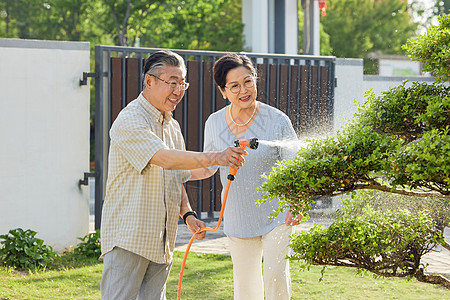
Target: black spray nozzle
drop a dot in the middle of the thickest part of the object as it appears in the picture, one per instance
(251, 143)
(254, 143)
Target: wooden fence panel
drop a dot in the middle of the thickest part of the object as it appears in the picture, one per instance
(192, 107)
(272, 101)
(216, 185)
(283, 88)
(132, 78)
(294, 95)
(191, 136)
(313, 101)
(116, 87)
(324, 115)
(261, 82)
(302, 118)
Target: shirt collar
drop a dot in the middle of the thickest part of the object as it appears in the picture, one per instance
(153, 111)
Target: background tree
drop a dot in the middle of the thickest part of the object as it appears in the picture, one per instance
(66, 19)
(44, 19)
(360, 27)
(325, 47)
(370, 25)
(206, 25)
(120, 12)
(124, 20)
(22, 23)
(197, 25)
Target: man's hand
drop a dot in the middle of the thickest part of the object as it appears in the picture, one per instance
(291, 221)
(231, 157)
(194, 225)
(172, 159)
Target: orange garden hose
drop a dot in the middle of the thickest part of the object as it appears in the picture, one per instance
(250, 143)
(201, 230)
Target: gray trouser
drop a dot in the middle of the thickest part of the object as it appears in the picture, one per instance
(130, 276)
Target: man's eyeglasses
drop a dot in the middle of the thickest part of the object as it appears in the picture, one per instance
(235, 88)
(174, 85)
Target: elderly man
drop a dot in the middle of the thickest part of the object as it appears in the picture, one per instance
(145, 195)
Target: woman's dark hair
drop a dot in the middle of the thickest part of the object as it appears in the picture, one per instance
(162, 58)
(229, 62)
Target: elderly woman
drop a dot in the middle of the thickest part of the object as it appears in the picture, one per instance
(252, 234)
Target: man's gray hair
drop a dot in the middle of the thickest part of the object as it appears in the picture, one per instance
(160, 59)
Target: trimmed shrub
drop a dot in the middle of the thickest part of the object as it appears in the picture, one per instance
(23, 251)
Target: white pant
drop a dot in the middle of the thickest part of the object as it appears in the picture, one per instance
(129, 276)
(247, 254)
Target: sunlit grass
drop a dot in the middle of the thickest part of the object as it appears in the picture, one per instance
(209, 277)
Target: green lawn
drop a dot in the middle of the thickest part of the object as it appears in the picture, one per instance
(210, 277)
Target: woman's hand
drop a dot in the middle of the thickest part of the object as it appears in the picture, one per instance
(291, 221)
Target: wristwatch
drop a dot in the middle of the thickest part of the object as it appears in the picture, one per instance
(189, 213)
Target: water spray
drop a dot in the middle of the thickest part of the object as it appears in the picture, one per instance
(291, 145)
(250, 143)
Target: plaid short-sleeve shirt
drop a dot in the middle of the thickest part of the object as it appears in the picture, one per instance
(142, 201)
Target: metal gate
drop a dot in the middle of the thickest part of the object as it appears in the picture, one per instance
(301, 86)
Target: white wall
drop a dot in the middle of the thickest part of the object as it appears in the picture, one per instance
(349, 77)
(399, 67)
(44, 150)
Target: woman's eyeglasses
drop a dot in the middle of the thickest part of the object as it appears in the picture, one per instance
(235, 88)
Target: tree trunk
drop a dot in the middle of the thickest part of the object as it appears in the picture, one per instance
(434, 279)
(446, 245)
(122, 28)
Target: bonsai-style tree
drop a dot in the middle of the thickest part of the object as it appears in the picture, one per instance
(398, 143)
